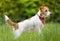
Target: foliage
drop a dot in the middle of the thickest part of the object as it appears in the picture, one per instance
(19, 10)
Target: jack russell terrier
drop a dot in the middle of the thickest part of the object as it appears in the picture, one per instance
(36, 22)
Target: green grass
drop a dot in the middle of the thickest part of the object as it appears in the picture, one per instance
(51, 32)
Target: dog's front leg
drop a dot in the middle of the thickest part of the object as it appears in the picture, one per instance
(38, 30)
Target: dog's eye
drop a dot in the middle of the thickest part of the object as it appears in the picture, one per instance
(45, 10)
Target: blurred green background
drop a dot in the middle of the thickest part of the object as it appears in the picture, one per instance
(19, 10)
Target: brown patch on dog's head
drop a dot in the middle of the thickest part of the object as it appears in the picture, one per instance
(44, 9)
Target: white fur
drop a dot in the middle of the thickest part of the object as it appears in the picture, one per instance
(32, 23)
(6, 18)
(47, 14)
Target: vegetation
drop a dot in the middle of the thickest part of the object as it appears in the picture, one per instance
(19, 10)
(49, 33)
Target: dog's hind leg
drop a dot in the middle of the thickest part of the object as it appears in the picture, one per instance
(16, 33)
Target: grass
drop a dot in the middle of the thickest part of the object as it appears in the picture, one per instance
(51, 32)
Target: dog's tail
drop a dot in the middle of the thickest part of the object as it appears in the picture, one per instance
(7, 20)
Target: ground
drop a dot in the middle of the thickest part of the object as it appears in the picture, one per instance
(51, 32)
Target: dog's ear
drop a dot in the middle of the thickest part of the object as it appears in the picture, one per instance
(41, 8)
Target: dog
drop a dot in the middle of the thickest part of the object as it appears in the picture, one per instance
(34, 23)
